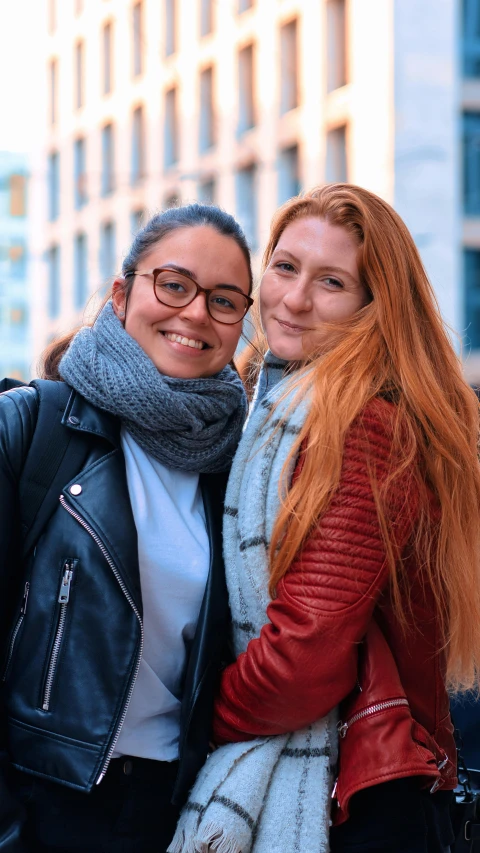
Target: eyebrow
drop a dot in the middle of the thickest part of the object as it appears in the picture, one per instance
(189, 274)
(329, 267)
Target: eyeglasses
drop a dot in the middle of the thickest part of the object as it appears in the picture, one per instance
(225, 303)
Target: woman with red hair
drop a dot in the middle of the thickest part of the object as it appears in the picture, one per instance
(367, 525)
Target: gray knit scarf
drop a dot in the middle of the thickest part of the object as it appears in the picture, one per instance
(270, 794)
(188, 424)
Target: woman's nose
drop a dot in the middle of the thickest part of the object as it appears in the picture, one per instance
(196, 310)
(298, 298)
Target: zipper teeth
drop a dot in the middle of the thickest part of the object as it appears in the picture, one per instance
(12, 644)
(372, 709)
(54, 657)
(130, 600)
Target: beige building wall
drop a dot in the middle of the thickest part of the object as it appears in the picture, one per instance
(340, 122)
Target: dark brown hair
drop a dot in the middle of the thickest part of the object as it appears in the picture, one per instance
(187, 216)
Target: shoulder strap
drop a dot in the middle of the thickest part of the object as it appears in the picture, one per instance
(48, 466)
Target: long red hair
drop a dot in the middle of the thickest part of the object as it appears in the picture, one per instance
(397, 344)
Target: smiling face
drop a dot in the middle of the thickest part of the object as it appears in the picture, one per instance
(185, 343)
(312, 279)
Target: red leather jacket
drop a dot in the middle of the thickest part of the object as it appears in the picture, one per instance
(333, 639)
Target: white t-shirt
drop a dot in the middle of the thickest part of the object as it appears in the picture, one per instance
(174, 558)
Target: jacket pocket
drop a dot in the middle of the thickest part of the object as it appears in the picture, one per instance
(63, 600)
(15, 632)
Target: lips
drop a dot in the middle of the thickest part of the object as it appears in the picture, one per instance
(291, 328)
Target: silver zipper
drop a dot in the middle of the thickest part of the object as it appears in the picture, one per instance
(130, 600)
(367, 712)
(16, 629)
(63, 599)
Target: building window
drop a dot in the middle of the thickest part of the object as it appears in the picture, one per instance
(207, 123)
(206, 192)
(336, 155)
(137, 219)
(80, 172)
(206, 17)
(18, 192)
(107, 160)
(53, 260)
(137, 13)
(246, 100)
(18, 315)
(336, 45)
(81, 271)
(171, 143)
(246, 203)
(107, 58)
(52, 16)
(243, 5)
(53, 186)
(471, 38)
(288, 174)
(170, 27)
(53, 84)
(172, 200)
(17, 255)
(471, 164)
(107, 251)
(138, 146)
(79, 74)
(288, 67)
(472, 297)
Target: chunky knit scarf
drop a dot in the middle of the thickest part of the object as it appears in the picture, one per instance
(273, 793)
(188, 424)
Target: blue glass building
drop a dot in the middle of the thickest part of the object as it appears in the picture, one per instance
(15, 343)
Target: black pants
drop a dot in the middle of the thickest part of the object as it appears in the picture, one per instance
(396, 817)
(129, 812)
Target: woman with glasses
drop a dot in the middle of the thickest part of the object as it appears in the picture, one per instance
(116, 620)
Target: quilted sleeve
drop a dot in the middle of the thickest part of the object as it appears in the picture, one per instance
(305, 660)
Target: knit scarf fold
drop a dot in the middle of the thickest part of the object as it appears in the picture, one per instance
(270, 794)
(187, 424)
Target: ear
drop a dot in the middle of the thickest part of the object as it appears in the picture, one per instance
(119, 298)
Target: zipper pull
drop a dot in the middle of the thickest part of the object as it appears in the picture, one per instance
(342, 729)
(64, 594)
(24, 599)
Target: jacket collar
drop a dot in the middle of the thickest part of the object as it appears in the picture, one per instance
(82, 416)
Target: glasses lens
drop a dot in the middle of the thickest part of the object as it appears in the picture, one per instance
(227, 306)
(174, 289)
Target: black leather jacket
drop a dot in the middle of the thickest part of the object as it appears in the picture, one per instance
(69, 668)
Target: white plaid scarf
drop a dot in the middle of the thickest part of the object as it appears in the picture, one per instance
(270, 794)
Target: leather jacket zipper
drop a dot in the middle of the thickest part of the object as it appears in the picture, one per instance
(342, 728)
(130, 600)
(63, 599)
(18, 625)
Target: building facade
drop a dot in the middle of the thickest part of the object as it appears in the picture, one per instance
(15, 347)
(244, 102)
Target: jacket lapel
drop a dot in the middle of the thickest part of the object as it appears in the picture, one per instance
(99, 495)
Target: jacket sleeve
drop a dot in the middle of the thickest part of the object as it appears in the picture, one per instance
(305, 660)
(18, 410)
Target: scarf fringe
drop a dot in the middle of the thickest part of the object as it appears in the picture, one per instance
(211, 837)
